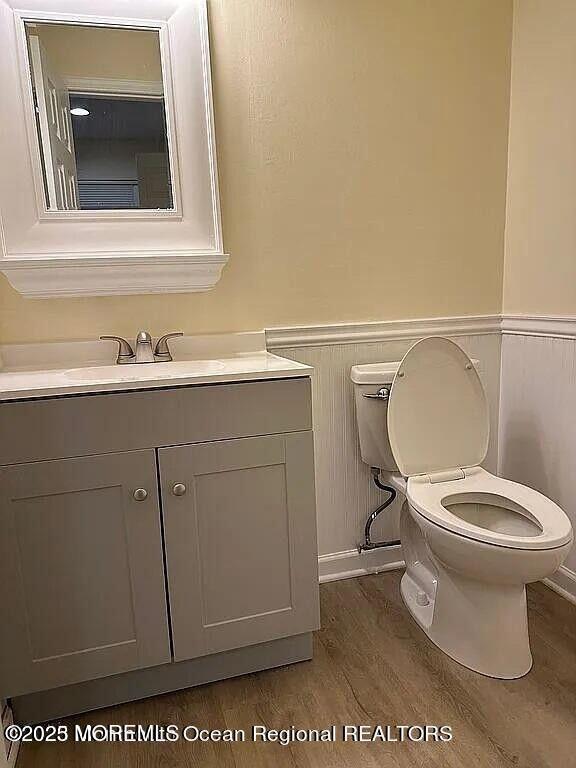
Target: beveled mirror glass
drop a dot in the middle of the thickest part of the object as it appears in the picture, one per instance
(100, 114)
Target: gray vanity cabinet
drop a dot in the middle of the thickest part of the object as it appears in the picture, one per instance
(82, 572)
(240, 538)
(194, 503)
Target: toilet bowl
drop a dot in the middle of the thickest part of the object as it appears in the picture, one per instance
(471, 540)
(485, 539)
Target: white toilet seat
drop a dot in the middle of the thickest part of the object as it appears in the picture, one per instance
(438, 425)
(429, 500)
(438, 416)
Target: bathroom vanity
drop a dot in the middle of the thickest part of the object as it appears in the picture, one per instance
(157, 519)
(157, 525)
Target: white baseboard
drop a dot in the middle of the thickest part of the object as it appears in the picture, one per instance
(350, 564)
(564, 583)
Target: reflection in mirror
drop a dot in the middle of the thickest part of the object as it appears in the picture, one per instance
(100, 117)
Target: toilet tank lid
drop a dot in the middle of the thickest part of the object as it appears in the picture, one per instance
(381, 373)
(374, 373)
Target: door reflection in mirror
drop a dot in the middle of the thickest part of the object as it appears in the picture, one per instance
(100, 117)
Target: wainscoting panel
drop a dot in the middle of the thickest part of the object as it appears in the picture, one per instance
(537, 443)
(345, 493)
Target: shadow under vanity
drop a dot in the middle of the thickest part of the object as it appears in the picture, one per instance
(154, 539)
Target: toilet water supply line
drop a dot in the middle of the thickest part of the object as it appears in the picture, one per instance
(368, 544)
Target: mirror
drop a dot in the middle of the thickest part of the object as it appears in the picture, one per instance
(100, 117)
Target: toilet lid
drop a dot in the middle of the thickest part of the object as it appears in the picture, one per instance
(437, 413)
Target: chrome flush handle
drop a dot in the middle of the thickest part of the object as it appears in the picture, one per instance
(382, 394)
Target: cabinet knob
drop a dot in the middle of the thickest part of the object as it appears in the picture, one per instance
(179, 489)
(140, 494)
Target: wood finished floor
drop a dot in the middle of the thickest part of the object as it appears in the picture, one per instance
(372, 665)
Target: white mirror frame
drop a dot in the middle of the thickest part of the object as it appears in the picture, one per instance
(98, 253)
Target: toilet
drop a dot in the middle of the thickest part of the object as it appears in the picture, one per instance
(471, 541)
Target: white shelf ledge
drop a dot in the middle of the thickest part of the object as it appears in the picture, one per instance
(113, 274)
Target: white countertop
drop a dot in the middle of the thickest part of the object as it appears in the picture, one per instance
(69, 368)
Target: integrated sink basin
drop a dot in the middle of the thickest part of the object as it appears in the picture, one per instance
(145, 371)
(71, 368)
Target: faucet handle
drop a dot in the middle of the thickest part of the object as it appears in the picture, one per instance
(125, 351)
(162, 351)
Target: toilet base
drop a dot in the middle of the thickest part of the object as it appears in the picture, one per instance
(480, 625)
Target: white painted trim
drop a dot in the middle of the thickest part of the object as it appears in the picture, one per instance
(549, 326)
(113, 85)
(85, 253)
(395, 330)
(389, 330)
(113, 258)
(161, 27)
(210, 125)
(114, 274)
(564, 583)
(351, 564)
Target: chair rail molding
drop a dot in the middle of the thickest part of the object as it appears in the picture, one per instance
(388, 330)
(551, 326)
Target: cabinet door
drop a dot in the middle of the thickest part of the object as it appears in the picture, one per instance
(81, 571)
(240, 541)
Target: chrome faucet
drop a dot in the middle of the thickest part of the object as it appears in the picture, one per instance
(144, 353)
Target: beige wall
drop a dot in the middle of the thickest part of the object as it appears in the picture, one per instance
(362, 149)
(540, 264)
(128, 54)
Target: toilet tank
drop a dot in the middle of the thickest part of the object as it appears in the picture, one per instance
(371, 412)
